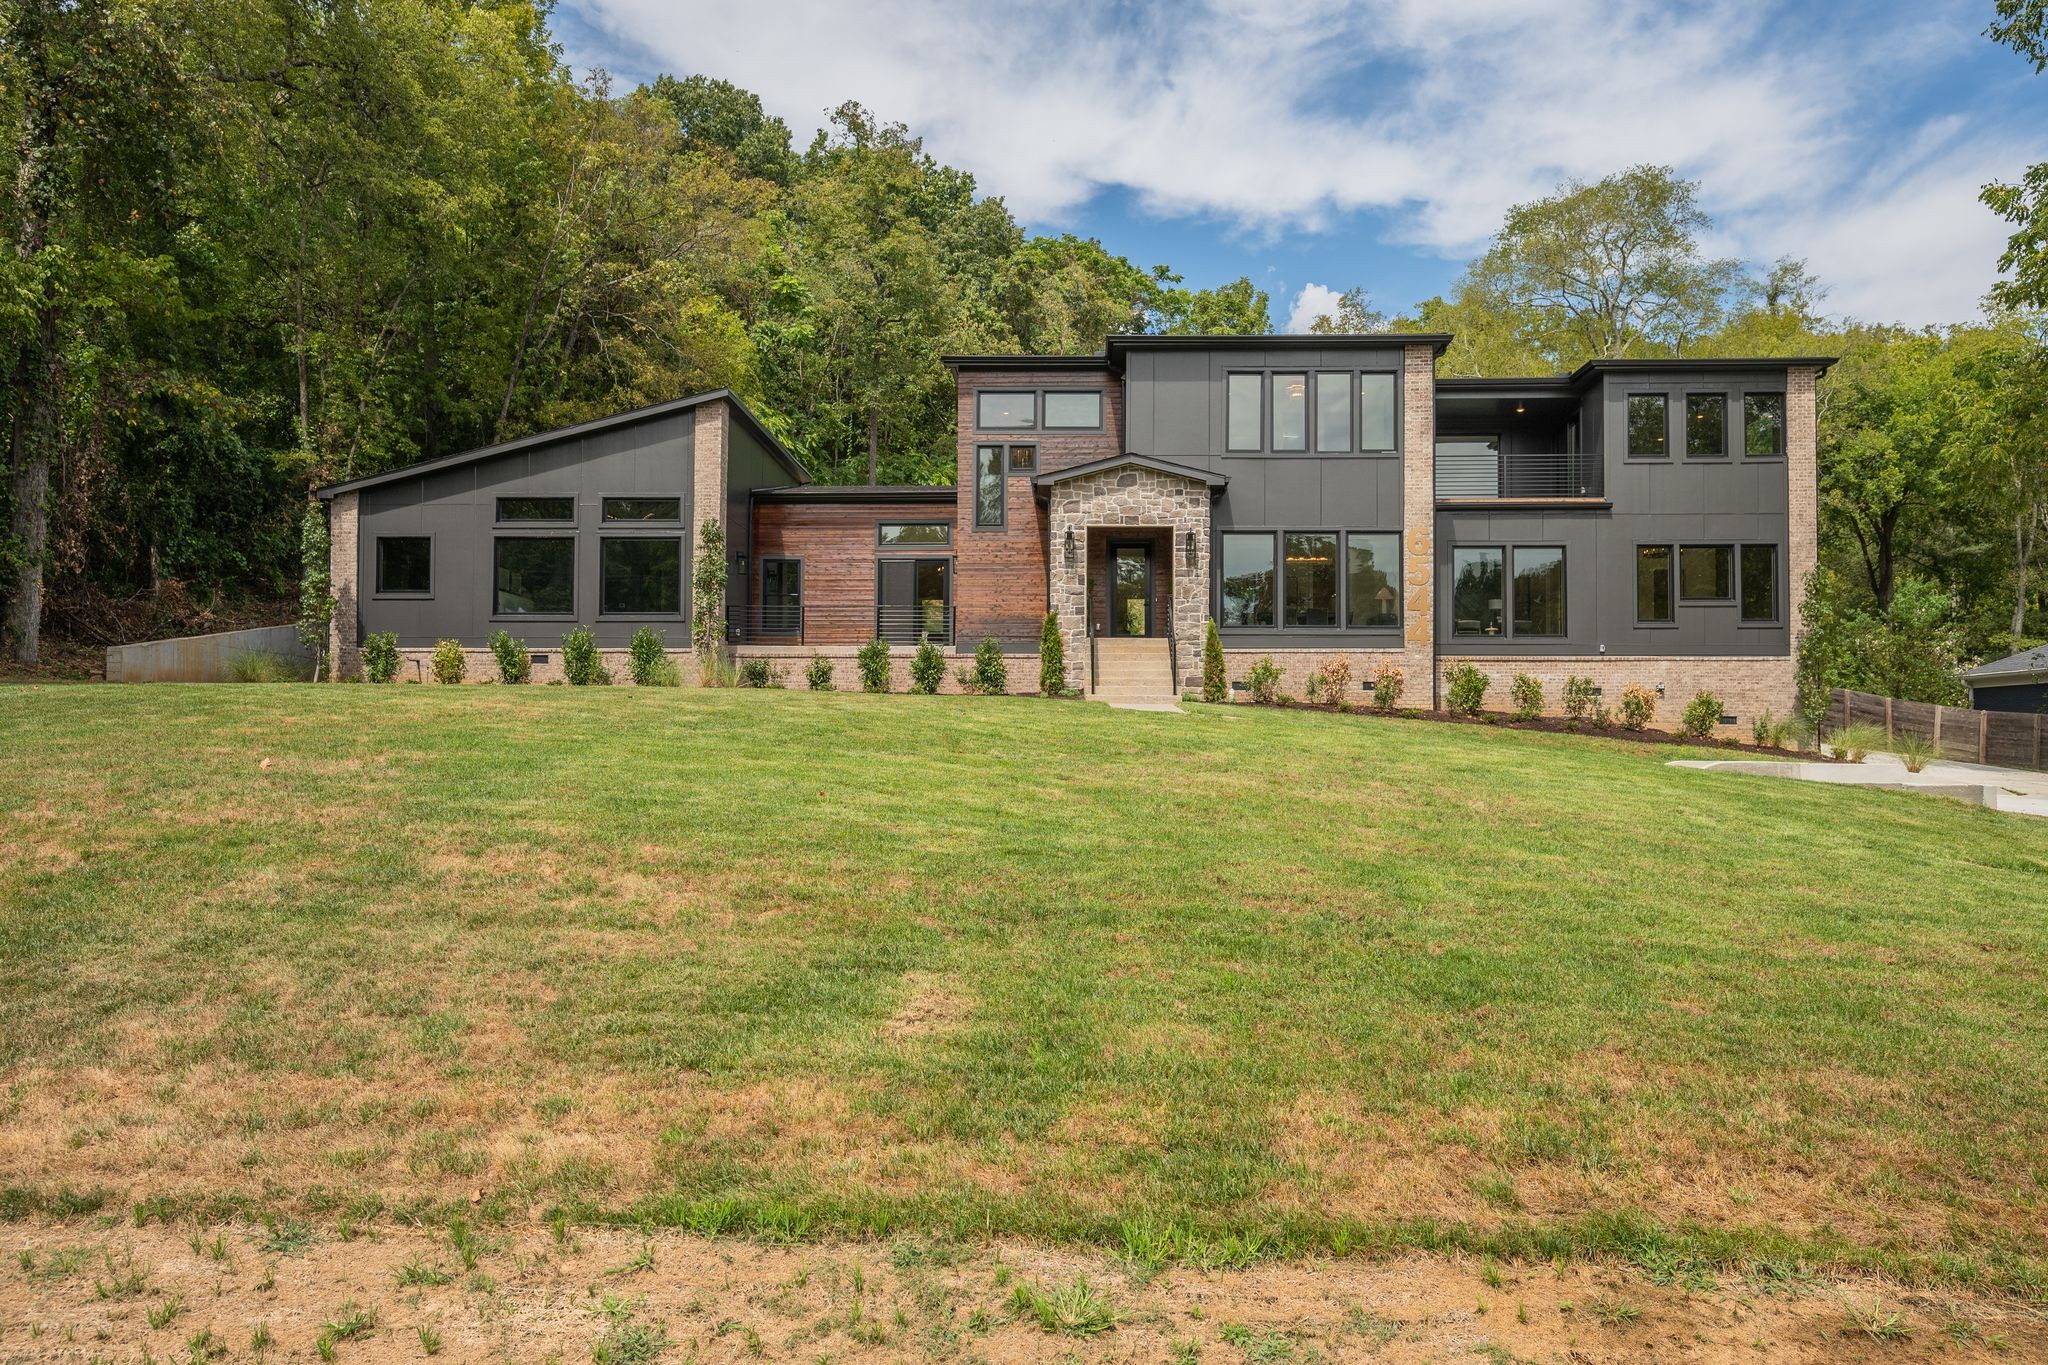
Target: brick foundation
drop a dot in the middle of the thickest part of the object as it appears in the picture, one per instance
(1746, 686)
(1023, 668)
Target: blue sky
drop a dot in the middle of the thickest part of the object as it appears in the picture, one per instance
(1316, 146)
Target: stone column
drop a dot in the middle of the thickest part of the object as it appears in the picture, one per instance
(1067, 580)
(344, 570)
(1190, 579)
(707, 493)
(1418, 522)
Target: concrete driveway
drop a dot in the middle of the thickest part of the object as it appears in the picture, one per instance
(2020, 791)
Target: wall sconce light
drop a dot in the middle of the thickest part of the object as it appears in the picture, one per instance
(1518, 407)
(1190, 543)
(1070, 547)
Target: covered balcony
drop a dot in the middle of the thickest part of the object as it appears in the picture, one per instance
(1514, 441)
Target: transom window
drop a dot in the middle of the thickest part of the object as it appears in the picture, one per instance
(1006, 409)
(1763, 424)
(1647, 434)
(1309, 580)
(1038, 409)
(1530, 607)
(405, 566)
(643, 509)
(1705, 573)
(1073, 410)
(890, 533)
(536, 509)
(1706, 425)
(533, 576)
(640, 575)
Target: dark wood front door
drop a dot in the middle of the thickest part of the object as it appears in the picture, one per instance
(1130, 590)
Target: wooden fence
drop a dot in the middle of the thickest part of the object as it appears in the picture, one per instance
(2011, 739)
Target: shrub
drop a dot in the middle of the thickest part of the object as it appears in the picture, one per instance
(873, 663)
(1856, 742)
(449, 663)
(515, 664)
(1316, 683)
(380, 656)
(715, 670)
(1579, 698)
(760, 673)
(1465, 688)
(1603, 715)
(1638, 706)
(316, 588)
(927, 667)
(818, 673)
(1915, 751)
(1527, 694)
(1264, 681)
(707, 591)
(580, 664)
(646, 652)
(1052, 658)
(963, 677)
(1388, 683)
(1701, 715)
(1336, 679)
(991, 673)
(1769, 731)
(1215, 682)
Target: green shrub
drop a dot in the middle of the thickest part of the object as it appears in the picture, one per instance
(1856, 742)
(760, 673)
(1465, 688)
(580, 664)
(1052, 658)
(1915, 751)
(1215, 682)
(515, 662)
(1580, 697)
(818, 673)
(991, 673)
(1638, 706)
(449, 663)
(927, 667)
(1315, 686)
(873, 663)
(380, 656)
(714, 669)
(1527, 695)
(1701, 715)
(1769, 731)
(646, 656)
(1336, 675)
(1388, 683)
(1264, 681)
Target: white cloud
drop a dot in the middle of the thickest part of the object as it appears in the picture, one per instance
(1314, 301)
(1435, 116)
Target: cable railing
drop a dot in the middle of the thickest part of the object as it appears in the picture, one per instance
(1491, 474)
(840, 624)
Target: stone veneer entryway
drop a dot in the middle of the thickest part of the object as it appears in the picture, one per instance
(1092, 507)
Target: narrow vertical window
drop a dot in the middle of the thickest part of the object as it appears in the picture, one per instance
(1290, 412)
(1476, 591)
(1646, 425)
(989, 508)
(1244, 418)
(1759, 583)
(1333, 413)
(1372, 580)
(1763, 424)
(1706, 425)
(1653, 584)
(1247, 590)
(1539, 590)
(1311, 578)
(1376, 412)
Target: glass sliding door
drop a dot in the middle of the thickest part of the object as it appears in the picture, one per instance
(914, 598)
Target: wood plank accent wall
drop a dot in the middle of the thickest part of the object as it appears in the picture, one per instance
(836, 542)
(999, 588)
(2011, 739)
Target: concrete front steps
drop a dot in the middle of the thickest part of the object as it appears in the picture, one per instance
(1133, 672)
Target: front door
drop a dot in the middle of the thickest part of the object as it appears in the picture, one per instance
(1130, 590)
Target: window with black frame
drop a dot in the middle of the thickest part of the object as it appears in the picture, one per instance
(1248, 579)
(1763, 425)
(1244, 418)
(1539, 590)
(990, 501)
(1290, 412)
(1759, 575)
(533, 576)
(1706, 425)
(782, 596)
(1372, 580)
(405, 566)
(1476, 602)
(1706, 573)
(1311, 580)
(1648, 433)
(640, 576)
(1653, 584)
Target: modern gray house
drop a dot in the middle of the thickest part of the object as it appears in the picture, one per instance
(1316, 496)
(2018, 682)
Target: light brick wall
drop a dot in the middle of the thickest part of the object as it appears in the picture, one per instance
(1802, 474)
(344, 560)
(1022, 668)
(707, 490)
(1295, 665)
(1418, 518)
(1745, 685)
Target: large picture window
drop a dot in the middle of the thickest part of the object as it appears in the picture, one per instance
(1706, 425)
(405, 566)
(1647, 434)
(1248, 579)
(1653, 584)
(990, 509)
(1763, 424)
(1311, 578)
(1376, 412)
(1005, 410)
(536, 509)
(1242, 395)
(1539, 590)
(1333, 413)
(1476, 603)
(1760, 583)
(1372, 580)
(1079, 410)
(1290, 412)
(640, 577)
(1705, 573)
(534, 576)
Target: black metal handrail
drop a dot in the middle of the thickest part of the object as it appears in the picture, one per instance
(1492, 474)
(848, 623)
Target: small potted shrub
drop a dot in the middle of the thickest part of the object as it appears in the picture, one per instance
(1465, 689)
(1526, 693)
(873, 663)
(581, 666)
(991, 674)
(1264, 681)
(1638, 707)
(449, 663)
(1700, 716)
(380, 656)
(1215, 681)
(1388, 682)
(1052, 658)
(515, 664)
(927, 667)
(818, 673)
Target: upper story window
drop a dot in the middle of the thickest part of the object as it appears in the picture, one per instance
(1706, 425)
(1077, 410)
(1376, 412)
(990, 496)
(1245, 395)
(643, 509)
(1647, 429)
(1290, 412)
(1333, 413)
(1005, 409)
(536, 509)
(1023, 459)
(893, 533)
(1763, 424)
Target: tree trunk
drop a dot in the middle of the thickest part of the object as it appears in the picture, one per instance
(39, 370)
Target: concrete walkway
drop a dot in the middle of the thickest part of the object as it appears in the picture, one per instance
(2018, 790)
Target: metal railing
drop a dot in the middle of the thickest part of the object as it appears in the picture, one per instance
(1492, 474)
(845, 624)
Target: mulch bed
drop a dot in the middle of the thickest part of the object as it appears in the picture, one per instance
(1500, 720)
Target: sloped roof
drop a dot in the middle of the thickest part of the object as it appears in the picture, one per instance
(2029, 665)
(1216, 481)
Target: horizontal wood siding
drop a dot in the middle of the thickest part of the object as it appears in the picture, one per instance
(836, 542)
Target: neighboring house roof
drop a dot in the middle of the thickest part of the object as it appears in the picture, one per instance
(2029, 665)
(541, 438)
(861, 492)
(1210, 477)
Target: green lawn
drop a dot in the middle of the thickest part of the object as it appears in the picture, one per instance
(838, 963)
